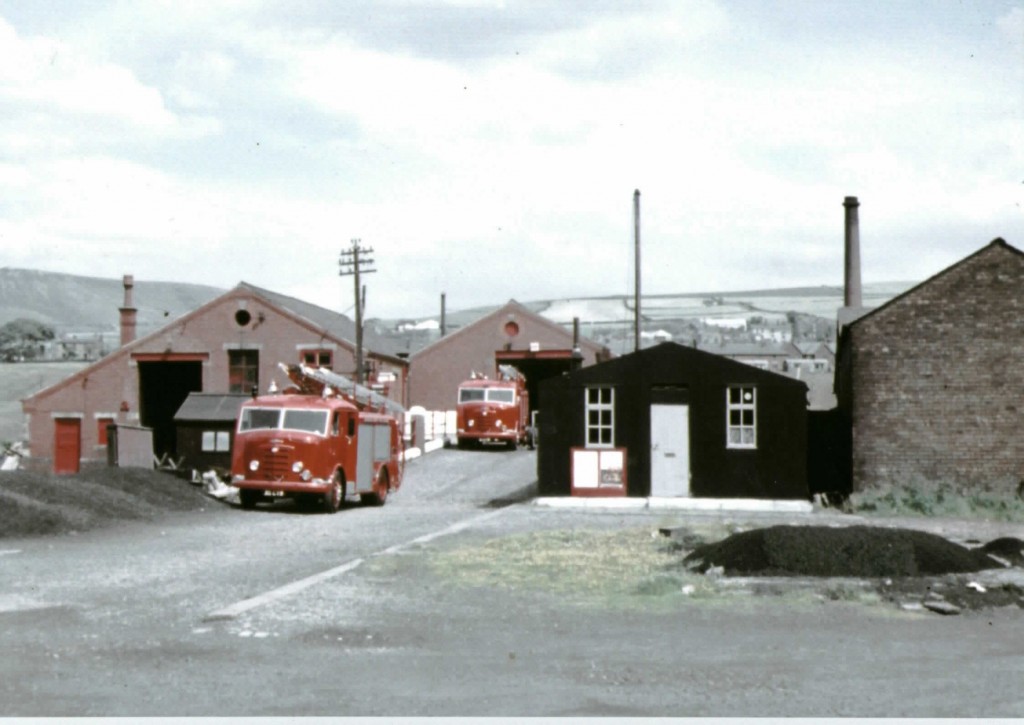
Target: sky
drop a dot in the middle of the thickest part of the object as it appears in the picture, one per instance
(489, 149)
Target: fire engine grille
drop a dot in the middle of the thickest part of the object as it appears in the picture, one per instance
(275, 462)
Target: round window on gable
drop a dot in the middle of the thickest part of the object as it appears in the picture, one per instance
(511, 328)
(242, 318)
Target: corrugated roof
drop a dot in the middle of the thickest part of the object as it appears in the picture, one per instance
(211, 406)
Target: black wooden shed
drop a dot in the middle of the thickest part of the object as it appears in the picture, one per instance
(205, 425)
(684, 422)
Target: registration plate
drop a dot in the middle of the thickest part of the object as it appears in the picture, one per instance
(273, 493)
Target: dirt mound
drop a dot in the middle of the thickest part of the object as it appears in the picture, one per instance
(852, 551)
(34, 503)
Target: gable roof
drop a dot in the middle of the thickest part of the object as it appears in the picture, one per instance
(521, 310)
(996, 244)
(749, 349)
(677, 352)
(316, 319)
(335, 324)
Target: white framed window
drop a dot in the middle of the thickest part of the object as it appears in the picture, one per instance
(741, 417)
(600, 417)
(216, 441)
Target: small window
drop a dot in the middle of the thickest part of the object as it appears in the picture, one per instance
(600, 417)
(243, 370)
(216, 441)
(318, 359)
(741, 417)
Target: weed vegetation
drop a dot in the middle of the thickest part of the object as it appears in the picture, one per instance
(937, 501)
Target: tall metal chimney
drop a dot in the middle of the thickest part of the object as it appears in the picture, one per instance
(128, 312)
(852, 296)
(443, 313)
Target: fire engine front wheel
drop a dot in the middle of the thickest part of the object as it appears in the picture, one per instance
(248, 498)
(332, 499)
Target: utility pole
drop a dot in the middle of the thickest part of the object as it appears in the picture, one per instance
(636, 251)
(354, 262)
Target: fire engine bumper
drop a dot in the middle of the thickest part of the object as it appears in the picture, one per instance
(315, 485)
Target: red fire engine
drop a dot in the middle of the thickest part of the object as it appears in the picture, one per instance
(494, 410)
(322, 440)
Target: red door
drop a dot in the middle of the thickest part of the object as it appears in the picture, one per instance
(67, 445)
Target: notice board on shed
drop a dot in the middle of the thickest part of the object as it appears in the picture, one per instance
(598, 471)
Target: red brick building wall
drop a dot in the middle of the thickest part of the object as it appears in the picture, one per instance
(933, 381)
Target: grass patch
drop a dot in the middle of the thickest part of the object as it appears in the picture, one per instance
(628, 567)
(939, 501)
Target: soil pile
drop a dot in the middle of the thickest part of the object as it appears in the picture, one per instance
(852, 551)
(34, 503)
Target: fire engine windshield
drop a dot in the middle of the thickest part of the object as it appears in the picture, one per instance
(309, 421)
(312, 421)
(468, 395)
(491, 395)
(257, 418)
(501, 395)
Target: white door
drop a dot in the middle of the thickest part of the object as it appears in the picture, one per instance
(670, 450)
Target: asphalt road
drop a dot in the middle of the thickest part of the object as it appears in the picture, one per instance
(278, 612)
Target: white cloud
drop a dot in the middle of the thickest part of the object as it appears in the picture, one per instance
(742, 142)
(52, 77)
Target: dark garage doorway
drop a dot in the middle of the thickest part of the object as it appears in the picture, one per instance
(536, 367)
(163, 387)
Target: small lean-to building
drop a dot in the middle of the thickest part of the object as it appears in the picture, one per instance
(678, 422)
(205, 429)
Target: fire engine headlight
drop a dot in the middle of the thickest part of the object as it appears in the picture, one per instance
(297, 466)
(254, 465)
(306, 475)
(471, 423)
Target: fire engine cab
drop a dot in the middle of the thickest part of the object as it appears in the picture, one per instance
(320, 441)
(495, 411)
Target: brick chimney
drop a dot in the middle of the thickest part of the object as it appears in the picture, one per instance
(852, 296)
(128, 312)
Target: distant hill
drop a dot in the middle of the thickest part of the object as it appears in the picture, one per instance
(74, 303)
(82, 304)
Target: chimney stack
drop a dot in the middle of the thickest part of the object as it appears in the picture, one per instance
(852, 296)
(128, 312)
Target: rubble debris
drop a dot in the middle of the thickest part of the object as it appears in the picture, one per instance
(941, 606)
(1007, 548)
(12, 455)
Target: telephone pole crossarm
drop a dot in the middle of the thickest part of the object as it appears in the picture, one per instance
(354, 262)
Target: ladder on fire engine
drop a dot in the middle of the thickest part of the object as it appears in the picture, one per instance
(315, 381)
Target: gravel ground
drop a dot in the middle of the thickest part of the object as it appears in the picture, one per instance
(111, 622)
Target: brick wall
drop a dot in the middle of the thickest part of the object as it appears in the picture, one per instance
(937, 392)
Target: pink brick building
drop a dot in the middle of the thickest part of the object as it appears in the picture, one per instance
(231, 344)
(512, 335)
